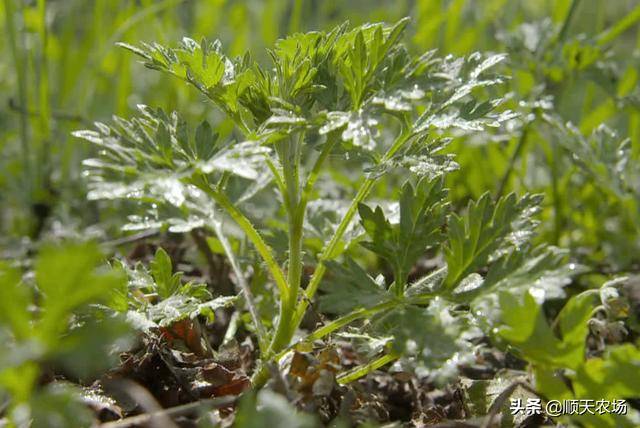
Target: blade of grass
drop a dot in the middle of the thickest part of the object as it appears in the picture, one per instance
(21, 76)
(619, 27)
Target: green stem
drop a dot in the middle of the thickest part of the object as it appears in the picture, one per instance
(557, 203)
(296, 214)
(619, 27)
(289, 154)
(363, 370)
(349, 318)
(331, 246)
(252, 234)
(261, 375)
(567, 20)
(315, 170)
(43, 94)
(512, 162)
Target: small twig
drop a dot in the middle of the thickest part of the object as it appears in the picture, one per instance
(211, 403)
(156, 416)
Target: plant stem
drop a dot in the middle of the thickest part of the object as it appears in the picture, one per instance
(261, 375)
(557, 203)
(363, 370)
(252, 234)
(289, 154)
(330, 248)
(349, 318)
(512, 162)
(244, 286)
(619, 27)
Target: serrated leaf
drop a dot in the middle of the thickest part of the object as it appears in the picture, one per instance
(433, 337)
(486, 227)
(349, 288)
(544, 271)
(422, 214)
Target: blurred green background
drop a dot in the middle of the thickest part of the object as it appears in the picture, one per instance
(60, 70)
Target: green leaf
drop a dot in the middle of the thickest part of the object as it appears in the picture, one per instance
(69, 278)
(59, 406)
(266, 408)
(433, 338)
(92, 347)
(178, 307)
(525, 327)
(349, 287)
(573, 319)
(486, 228)
(613, 376)
(167, 282)
(15, 298)
(422, 212)
(544, 271)
(603, 156)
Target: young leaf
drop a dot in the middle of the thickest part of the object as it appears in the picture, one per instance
(166, 281)
(544, 271)
(68, 278)
(432, 337)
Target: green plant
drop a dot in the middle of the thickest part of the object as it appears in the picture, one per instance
(358, 93)
(156, 301)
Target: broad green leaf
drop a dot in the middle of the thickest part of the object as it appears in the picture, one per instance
(69, 278)
(59, 406)
(15, 298)
(525, 327)
(267, 408)
(573, 319)
(613, 376)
